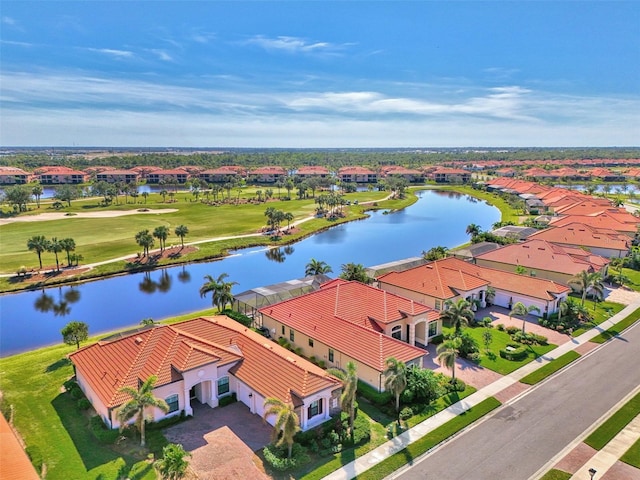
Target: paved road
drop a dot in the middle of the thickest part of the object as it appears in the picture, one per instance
(522, 437)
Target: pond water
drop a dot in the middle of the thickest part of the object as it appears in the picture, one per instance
(32, 319)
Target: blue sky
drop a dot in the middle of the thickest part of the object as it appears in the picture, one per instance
(320, 74)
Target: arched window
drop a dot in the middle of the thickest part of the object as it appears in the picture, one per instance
(396, 332)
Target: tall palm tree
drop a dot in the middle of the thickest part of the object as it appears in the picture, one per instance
(68, 245)
(288, 216)
(145, 240)
(220, 290)
(55, 247)
(38, 244)
(181, 231)
(37, 192)
(395, 379)
(161, 233)
(457, 314)
(316, 267)
(473, 230)
(354, 271)
(287, 421)
(521, 310)
(141, 399)
(588, 281)
(349, 379)
(448, 353)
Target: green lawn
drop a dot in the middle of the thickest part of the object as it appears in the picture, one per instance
(632, 456)
(634, 278)
(618, 327)
(556, 475)
(492, 360)
(550, 368)
(600, 311)
(610, 428)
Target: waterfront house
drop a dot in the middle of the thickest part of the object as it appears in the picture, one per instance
(357, 175)
(60, 175)
(600, 241)
(14, 176)
(267, 175)
(115, 176)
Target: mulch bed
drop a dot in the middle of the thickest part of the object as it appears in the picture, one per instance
(40, 276)
(169, 253)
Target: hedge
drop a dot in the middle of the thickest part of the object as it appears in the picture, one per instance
(371, 394)
(515, 353)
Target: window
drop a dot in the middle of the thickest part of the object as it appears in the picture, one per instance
(291, 335)
(172, 401)
(433, 329)
(282, 329)
(330, 355)
(438, 305)
(315, 408)
(396, 332)
(311, 342)
(223, 385)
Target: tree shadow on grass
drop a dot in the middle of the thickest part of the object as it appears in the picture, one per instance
(91, 452)
(63, 362)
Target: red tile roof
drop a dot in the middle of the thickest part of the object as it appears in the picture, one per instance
(313, 170)
(341, 312)
(14, 462)
(167, 351)
(581, 235)
(604, 220)
(268, 171)
(355, 171)
(542, 255)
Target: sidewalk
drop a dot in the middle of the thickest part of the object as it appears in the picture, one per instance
(396, 444)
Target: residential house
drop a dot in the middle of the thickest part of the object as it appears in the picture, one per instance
(115, 176)
(437, 282)
(609, 219)
(170, 176)
(543, 259)
(409, 174)
(14, 176)
(306, 172)
(267, 175)
(357, 175)
(606, 175)
(351, 322)
(203, 360)
(14, 462)
(450, 175)
(60, 176)
(222, 174)
(603, 242)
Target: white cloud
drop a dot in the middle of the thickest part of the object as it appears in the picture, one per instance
(162, 55)
(291, 44)
(112, 52)
(8, 21)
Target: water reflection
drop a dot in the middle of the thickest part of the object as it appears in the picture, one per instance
(184, 276)
(46, 303)
(279, 255)
(149, 286)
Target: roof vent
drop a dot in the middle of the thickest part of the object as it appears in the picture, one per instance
(138, 340)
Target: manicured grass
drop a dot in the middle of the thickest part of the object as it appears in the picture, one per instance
(429, 441)
(618, 327)
(600, 312)
(632, 456)
(556, 475)
(634, 278)
(609, 429)
(550, 368)
(492, 360)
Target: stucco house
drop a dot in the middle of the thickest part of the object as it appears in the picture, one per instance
(349, 321)
(202, 360)
(451, 279)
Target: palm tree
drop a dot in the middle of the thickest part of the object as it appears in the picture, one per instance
(163, 194)
(38, 244)
(349, 379)
(220, 290)
(448, 353)
(287, 421)
(473, 230)
(457, 314)
(521, 310)
(395, 379)
(317, 267)
(141, 399)
(37, 191)
(145, 240)
(173, 464)
(145, 195)
(288, 216)
(161, 233)
(68, 245)
(354, 271)
(181, 231)
(56, 247)
(586, 282)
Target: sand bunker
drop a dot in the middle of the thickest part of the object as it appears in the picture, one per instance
(43, 217)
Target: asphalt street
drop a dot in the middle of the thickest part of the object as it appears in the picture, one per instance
(523, 436)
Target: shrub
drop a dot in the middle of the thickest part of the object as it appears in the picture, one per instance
(372, 395)
(474, 357)
(362, 430)
(321, 363)
(500, 327)
(423, 386)
(167, 422)
(238, 317)
(70, 385)
(276, 457)
(83, 404)
(406, 413)
(437, 339)
(512, 330)
(456, 386)
(515, 353)
(77, 393)
(468, 345)
(283, 342)
(228, 400)
(101, 432)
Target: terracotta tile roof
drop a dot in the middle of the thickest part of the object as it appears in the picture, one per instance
(14, 462)
(437, 279)
(542, 255)
(268, 171)
(266, 367)
(12, 171)
(313, 170)
(581, 235)
(169, 350)
(341, 312)
(602, 173)
(588, 207)
(173, 171)
(355, 171)
(512, 282)
(602, 220)
(118, 172)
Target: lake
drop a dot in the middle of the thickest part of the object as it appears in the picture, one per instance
(34, 318)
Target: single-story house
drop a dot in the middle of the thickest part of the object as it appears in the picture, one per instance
(451, 279)
(202, 360)
(604, 242)
(349, 321)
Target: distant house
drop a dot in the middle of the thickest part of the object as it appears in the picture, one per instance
(450, 175)
(543, 260)
(171, 176)
(115, 176)
(312, 171)
(437, 282)
(618, 220)
(203, 360)
(221, 174)
(267, 175)
(409, 174)
(349, 321)
(14, 176)
(60, 176)
(357, 175)
(603, 242)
